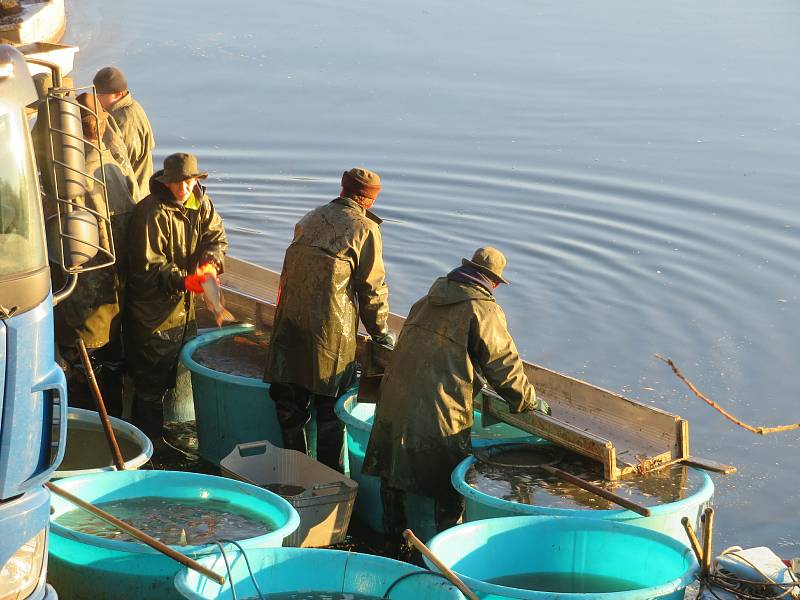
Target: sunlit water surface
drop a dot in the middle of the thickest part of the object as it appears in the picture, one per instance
(638, 164)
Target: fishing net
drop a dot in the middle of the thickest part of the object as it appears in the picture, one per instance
(519, 455)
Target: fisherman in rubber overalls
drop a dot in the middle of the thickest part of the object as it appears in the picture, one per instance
(176, 240)
(453, 339)
(332, 274)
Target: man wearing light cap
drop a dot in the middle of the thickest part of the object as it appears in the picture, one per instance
(130, 120)
(176, 240)
(453, 340)
(332, 275)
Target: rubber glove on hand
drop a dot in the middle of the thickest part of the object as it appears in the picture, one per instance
(543, 407)
(388, 339)
(194, 283)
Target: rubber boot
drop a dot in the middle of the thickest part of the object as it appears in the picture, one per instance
(393, 501)
(330, 434)
(293, 409)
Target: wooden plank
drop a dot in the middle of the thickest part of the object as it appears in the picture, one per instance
(624, 435)
(709, 465)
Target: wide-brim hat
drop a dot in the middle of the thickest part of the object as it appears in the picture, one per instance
(179, 167)
(489, 261)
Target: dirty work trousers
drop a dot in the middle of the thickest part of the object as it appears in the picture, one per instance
(108, 366)
(448, 508)
(293, 406)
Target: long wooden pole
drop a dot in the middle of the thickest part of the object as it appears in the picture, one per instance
(119, 462)
(597, 490)
(454, 579)
(708, 536)
(136, 533)
(698, 553)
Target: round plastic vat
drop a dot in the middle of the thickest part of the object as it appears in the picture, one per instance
(229, 409)
(87, 449)
(280, 570)
(358, 418)
(665, 518)
(602, 560)
(87, 566)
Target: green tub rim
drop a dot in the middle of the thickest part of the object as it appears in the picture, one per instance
(282, 532)
(206, 338)
(506, 523)
(703, 494)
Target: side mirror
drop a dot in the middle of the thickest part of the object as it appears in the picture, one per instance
(78, 239)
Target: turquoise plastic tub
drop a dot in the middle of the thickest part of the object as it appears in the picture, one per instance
(91, 454)
(358, 417)
(280, 570)
(665, 518)
(83, 566)
(229, 409)
(620, 561)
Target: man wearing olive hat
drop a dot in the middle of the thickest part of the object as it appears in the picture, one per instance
(130, 120)
(453, 340)
(175, 241)
(332, 275)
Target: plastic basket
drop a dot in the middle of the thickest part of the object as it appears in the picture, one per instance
(325, 502)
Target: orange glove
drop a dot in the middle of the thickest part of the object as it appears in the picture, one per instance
(194, 283)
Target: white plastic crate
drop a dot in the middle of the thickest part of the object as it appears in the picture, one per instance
(325, 502)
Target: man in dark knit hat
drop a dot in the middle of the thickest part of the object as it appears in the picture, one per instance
(453, 339)
(332, 275)
(131, 121)
(176, 240)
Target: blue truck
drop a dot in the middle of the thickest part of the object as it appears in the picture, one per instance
(33, 405)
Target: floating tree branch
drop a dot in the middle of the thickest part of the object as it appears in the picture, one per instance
(722, 411)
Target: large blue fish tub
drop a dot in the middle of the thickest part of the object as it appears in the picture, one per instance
(536, 558)
(298, 570)
(665, 518)
(358, 418)
(84, 566)
(229, 409)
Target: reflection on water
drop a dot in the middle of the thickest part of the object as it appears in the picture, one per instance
(566, 583)
(175, 521)
(637, 164)
(536, 487)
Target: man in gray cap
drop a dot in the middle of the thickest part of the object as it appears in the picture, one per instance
(130, 120)
(453, 339)
(175, 241)
(332, 275)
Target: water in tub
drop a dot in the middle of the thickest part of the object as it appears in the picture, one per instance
(173, 521)
(535, 486)
(242, 354)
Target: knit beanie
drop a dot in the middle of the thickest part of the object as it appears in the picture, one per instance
(110, 80)
(360, 183)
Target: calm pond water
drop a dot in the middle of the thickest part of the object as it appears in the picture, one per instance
(638, 164)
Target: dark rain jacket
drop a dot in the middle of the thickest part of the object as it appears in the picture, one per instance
(166, 242)
(93, 311)
(112, 138)
(332, 274)
(424, 413)
(137, 133)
